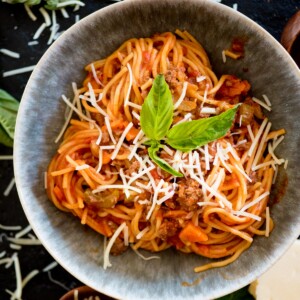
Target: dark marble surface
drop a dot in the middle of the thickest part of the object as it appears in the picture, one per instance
(16, 30)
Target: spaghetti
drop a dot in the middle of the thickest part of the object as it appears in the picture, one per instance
(102, 172)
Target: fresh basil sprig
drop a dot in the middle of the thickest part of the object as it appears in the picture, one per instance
(157, 110)
(8, 113)
(157, 117)
(191, 135)
(152, 151)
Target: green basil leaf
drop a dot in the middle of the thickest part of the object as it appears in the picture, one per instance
(157, 110)
(152, 151)
(8, 114)
(28, 2)
(51, 4)
(191, 135)
(5, 139)
(7, 101)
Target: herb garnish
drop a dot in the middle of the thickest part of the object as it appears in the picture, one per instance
(8, 113)
(157, 117)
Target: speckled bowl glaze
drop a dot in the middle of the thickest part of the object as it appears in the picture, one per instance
(270, 70)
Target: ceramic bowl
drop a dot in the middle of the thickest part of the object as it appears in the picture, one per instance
(270, 70)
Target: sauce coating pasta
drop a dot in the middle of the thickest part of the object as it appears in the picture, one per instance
(102, 172)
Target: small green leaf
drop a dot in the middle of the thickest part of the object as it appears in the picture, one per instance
(5, 139)
(191, 135)
(51, 4)
(8, 114)
(28, 2)
(7, 101)
(157, 110)
(152, 151)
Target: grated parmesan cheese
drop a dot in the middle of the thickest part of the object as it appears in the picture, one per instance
(71, 2)
(6, 157)
(154, 199)
(182, 96)
(120, 141)
(64, 13)
(143, 257)
(82, 167)
(255, 201)
(80, 114)
(20, 241)
(130, 84)
(126, 235)
(267, 221)
(18, 292)
(8, 228)
(29, 12)
(134, 105)
(200, 78)
(277, 142)
(9, 187)
(54, 28)
(32, 43)
(116, 186)
(95, 75)
(50, 266)
(94, 102)
(76, 293)
(45, 15)
(39, 31)
(259, 133)
(56, 281)
(142, 233)
(271, 151)
(246, 214)
(208, 110)
(23, 232)
(106, 262)
(18, 71)
(224, 56)
(268, 102)
(206, 156)
(261, 145)
(10, 53)
(250, 132)
(109, 130)
(137, 116)
(261, 103)
(15, 247)
(185, 118)
(29, 277)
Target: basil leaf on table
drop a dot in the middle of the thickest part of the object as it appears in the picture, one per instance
(5, 139)
(28, 2)
(51, 4)
(191, 135)
(157, 110)
(8, 113)
(152, 151)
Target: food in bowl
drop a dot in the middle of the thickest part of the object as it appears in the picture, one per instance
(165, 154)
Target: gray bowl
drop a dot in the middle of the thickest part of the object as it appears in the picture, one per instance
(78, 250)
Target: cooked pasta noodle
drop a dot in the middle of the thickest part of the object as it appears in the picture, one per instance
(103, 175)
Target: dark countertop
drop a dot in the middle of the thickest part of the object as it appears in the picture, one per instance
(16, 30)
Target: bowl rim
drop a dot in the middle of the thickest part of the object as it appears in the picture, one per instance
(82, 23)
